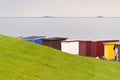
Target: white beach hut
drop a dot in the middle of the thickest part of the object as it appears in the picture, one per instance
(70, 46)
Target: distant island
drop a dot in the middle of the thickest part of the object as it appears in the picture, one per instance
(48, 17)
(100, 17)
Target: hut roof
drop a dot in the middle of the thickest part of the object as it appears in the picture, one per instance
(117, 43)
(54, 38)
(34, 37)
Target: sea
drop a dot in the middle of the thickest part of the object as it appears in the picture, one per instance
(85, 28)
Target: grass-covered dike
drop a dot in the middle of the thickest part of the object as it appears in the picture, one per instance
(21, 60)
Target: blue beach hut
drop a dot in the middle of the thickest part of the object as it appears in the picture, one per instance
(35, 39)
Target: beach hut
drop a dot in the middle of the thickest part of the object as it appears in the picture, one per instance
(97, 47)
(70, 46)
(109, 51)
(85, 48)
(34, 39)
(53, 42)
(77, 47)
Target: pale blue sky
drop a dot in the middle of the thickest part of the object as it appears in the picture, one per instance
(60, 8)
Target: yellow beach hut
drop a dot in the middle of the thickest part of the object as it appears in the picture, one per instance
(109, 50)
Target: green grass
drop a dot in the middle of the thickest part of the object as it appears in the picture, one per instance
(21, 60)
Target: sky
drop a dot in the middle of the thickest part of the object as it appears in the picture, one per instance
(59, 8)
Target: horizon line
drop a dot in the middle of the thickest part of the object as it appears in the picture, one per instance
(59, 17)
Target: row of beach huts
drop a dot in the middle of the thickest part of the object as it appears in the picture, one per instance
(100, 48)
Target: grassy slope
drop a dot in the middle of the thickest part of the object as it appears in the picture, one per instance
(21, 60)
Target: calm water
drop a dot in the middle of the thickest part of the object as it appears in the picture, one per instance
(73, 28)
